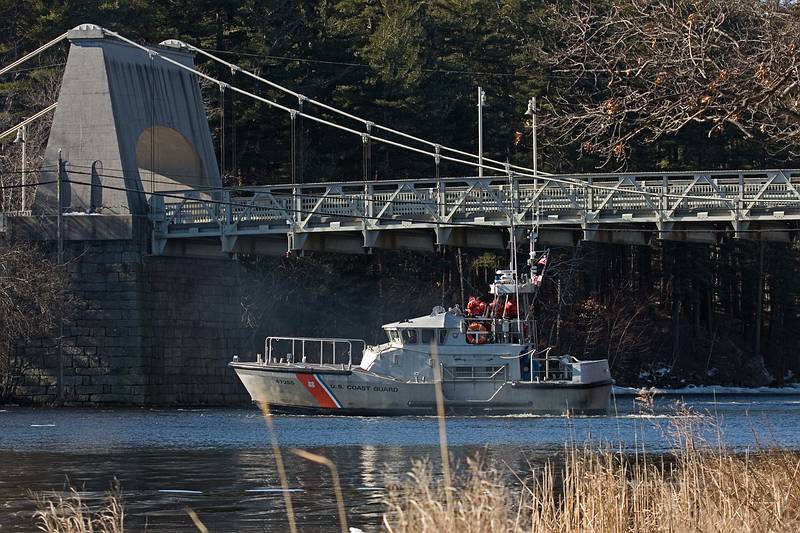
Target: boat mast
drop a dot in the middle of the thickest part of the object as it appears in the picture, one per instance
(533, 236)
(513, 264)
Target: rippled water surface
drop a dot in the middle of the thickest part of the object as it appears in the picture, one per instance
(218, 462)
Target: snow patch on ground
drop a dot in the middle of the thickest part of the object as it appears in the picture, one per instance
(793, 389)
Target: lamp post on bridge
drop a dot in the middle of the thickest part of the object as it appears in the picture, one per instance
(481, 102)
(532, 112)
(22, 139)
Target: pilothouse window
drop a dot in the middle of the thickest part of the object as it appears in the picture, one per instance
(426, 335)
(394, 336)
(442, 336)
(409, 336)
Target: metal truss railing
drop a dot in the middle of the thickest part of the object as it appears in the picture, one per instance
(656, 198)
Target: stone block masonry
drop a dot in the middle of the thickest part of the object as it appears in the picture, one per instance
(145, 330)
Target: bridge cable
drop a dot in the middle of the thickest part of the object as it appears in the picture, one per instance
(301, 142)
(222, 132)
(536, 211)
(499, 169)
(293, 117)
(344, 113)
(34, 53)
(28, 120)
(300, 97)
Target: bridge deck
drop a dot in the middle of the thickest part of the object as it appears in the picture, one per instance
(448, 211)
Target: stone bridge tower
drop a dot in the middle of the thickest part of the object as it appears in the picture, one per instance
(145, 329)
(127, 124)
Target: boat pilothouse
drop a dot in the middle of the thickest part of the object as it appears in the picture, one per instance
(487, 356)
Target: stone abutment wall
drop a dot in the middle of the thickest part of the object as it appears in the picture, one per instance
(144, 330)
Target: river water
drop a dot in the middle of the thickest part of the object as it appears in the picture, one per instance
(218, 462)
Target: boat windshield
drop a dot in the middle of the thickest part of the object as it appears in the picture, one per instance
(409, 336)
(421, 336)
(426, 335)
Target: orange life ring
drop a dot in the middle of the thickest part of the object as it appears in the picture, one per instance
(478, 335)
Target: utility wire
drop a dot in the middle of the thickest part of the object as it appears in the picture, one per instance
(364, 65)
(21, 186)
(32, 171)
(611, 190)
(361, 196)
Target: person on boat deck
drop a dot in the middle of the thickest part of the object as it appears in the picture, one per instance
(475, 306)
(510, 309)
(494, 308)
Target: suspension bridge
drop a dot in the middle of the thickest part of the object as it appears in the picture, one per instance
(130, 142)
(129, 178)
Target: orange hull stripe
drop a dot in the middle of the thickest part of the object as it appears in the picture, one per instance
(316, 389)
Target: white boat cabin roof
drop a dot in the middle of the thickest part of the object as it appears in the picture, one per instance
(438, 319)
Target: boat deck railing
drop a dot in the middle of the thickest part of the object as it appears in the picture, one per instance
(474, 373)
(496, 330)
(301, 349)
(550, 369)
(547, 368)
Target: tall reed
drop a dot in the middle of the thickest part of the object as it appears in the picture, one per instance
(71, 513)
(697, 487)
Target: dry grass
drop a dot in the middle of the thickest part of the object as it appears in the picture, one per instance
(71, 514)
(697, 488)
(481, 502)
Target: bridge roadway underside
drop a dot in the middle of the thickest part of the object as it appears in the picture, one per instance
(423, 239)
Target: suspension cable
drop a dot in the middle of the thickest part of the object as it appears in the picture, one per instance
(28, 120)
(34, 53)
(499, 168)
(346, 114)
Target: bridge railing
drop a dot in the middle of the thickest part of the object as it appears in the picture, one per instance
(494, 199)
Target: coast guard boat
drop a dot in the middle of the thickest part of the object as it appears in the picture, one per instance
(486, 358)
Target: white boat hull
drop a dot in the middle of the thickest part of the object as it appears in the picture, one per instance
(312, 389)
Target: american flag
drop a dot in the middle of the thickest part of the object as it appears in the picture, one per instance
(543, 260)
(541, 263)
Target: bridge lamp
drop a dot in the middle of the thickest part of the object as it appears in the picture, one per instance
(22, 139)
(532, 112)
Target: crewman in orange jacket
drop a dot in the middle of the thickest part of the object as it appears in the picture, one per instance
(510, 310)
(475, 306)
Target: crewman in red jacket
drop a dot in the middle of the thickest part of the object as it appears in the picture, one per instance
(475, 306)
(510, 310)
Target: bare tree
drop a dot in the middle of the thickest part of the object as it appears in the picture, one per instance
(33, 91)
(621, 326)
(32, 299)
(642, 69)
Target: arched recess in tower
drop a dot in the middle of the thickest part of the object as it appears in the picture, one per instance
(168, 161)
